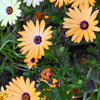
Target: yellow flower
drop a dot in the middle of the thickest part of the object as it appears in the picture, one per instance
(18, 89)
(35, 39)
(3, 94)
(80, 3)
(60, 2)
(82, 23)
(52, 82)
(9, 11)
(31, 61)
(44, 97)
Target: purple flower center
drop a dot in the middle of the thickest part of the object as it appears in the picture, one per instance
(25, 96)
(33, 60)
(37, 40)
(84, 25)
(9, 10)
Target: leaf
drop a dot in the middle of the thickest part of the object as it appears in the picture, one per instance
(44, 85)
(98, 96)
(11, 70)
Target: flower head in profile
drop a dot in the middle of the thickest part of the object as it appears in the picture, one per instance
(51, 82)
(3, 94)
(60, 2)
(18, 89)
(44, 97)
(35, 39)
(33, 2)
(9, 11)
(81, 24)
(40, 16)
(31, 61)
(80, 3)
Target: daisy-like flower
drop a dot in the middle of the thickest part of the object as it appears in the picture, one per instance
(80, 3)
(18, 89)
(33, 2)
(31, 61)
(9, 11)
(35, 39)
(3, 94)
(60, 2)
(82, 23)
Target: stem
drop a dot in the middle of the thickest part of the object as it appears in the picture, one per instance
(6, 43)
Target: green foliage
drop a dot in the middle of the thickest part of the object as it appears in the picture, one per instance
(63, 57)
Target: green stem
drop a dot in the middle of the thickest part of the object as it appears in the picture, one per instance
(6, 43)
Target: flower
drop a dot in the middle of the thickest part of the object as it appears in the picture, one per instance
(82, 23)
(82, 60)
(35, 39)
(40, 15)
(44, 97)
(60, 2)
(18, 89)
(3, 94)
(51, 82)
(31, 61)
(75, 90)
(46, 73)
(33, 2)
(80, 3)
(9, 11)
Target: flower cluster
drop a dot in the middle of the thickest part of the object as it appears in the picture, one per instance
(36, 37)
(34, 40)
(18, 89)
(81, 23)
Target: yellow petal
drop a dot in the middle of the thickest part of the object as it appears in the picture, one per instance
(95, 28)
(93, 16)
(80, 37)
(76, 34)
(42, 26)
(86, 35)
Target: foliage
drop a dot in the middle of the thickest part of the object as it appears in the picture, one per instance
(63, 57)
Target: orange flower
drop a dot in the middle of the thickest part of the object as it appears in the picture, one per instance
(51, 82)
(82, 60)
(44, 97)
(35, 39)
(60, 2)
(46, 74)
(3, 94)
(81, 23)
(80, 3)
(40, 15)
(31, 61)
(76, 90)
(18, 89)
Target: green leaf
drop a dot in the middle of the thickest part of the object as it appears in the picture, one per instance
(44, 85)
(11, 70)
(98, 96)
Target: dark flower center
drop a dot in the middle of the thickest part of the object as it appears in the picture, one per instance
(50, 81)
(9, 10)
(25, 96)
(33, 60)
(37, 39)
(84, 25)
